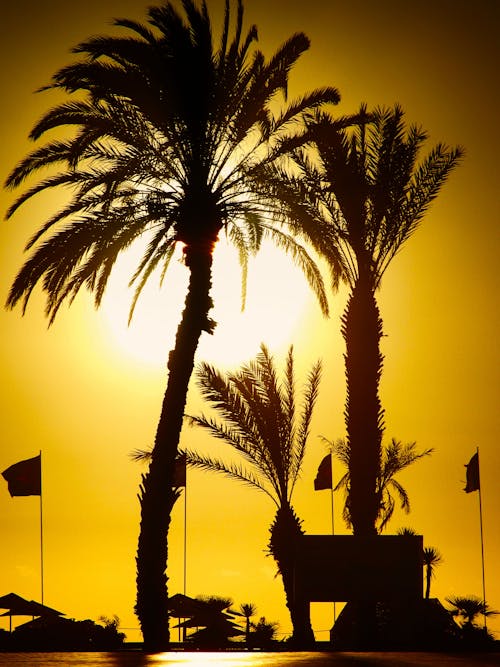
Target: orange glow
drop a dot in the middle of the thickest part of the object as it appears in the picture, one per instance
(88, 391)
(277, 295)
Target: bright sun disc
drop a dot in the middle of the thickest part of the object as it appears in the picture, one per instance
(277, 295)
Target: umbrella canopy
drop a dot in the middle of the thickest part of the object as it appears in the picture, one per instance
(19, 606)
(181, 606)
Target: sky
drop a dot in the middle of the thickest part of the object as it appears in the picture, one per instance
(87, 391)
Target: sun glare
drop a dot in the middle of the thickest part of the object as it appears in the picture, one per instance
(277, 295)
(230, 659)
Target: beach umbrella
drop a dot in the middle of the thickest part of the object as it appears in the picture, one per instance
(19, 606)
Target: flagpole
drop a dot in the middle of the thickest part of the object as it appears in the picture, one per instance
(41, 527)
(333, 533)
(185, 549)
(185, 538)
(482, 540)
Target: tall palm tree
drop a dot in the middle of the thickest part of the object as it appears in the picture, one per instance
(167, 134)
(367, 193)
(432, 558)
(259, 419)
(395, 457)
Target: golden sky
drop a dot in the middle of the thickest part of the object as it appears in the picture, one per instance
(86, 394)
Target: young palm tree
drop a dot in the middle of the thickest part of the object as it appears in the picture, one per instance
(432, 558)
(260, 421)
(367, 193)
(467, 609)
(247, 610)
(395, 458)
(166, 136)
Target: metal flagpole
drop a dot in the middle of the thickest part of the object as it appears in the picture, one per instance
(333, 533)
(41, 526)
(185, 549)
(185, 537)
(482, 540)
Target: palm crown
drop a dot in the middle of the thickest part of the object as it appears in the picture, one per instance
(396, 457)
(169, 133)
(365, 188)
(259, 422)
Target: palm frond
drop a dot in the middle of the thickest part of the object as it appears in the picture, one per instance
(229, 470)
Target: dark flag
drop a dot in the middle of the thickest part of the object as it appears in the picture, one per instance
(472, 474)
(180, 472)
(323, 478)
(25, 478)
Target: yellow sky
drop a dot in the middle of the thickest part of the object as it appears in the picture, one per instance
(82, 395)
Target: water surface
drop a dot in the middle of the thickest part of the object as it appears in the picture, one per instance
(248, 659)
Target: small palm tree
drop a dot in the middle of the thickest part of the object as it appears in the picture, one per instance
(395, 458)
(167, 134)
(263, 632)
(361, 198)
(467, 609)
(247, 610)
(432, 558)
(260, 421)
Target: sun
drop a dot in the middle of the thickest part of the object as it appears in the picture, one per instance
(276, 301)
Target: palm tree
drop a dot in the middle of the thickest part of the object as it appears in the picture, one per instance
(260, 421)
(366, 193)
(432, 558)
(247, 610)
(395, 458)
(167, 136)
(467, 609)
(264, 633)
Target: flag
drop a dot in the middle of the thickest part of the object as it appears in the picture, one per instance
(472, 474)
(323, 478)
(180, 472)
(25, 478)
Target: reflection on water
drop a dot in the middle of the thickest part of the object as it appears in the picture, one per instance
(232, 659)
(246, 659)
(171, 659)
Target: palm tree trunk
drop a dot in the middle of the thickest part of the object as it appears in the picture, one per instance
(157, 497)
(285, 531)
(362, 331)
(428, 575)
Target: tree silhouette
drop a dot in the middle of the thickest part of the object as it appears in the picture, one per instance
(395, 457)
(432, 558)
(263, 633)
(247, 610)
(167, 137)
(366, 193)
(466, 609)
(259, 419)
(212, 617)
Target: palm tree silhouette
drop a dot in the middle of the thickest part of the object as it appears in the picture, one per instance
(395, 457)
(247, 610)
(170, 137)
(261, 422)
(366, 193)
(432, 558)
(466, 609)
